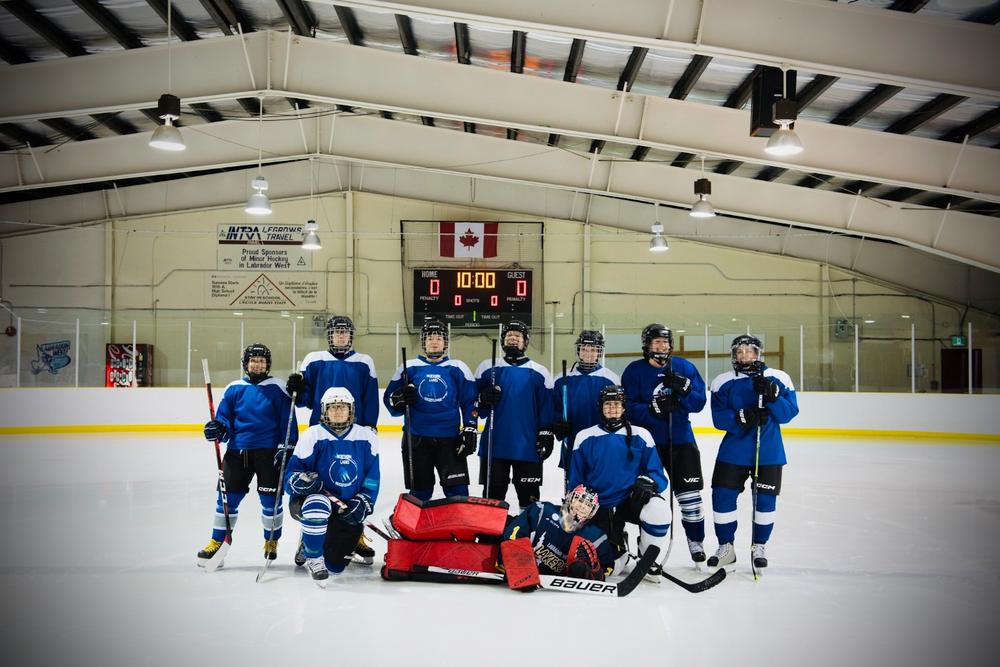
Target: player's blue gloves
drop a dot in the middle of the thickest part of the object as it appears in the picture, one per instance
(358, 509)
(215, 430)
(305, 482)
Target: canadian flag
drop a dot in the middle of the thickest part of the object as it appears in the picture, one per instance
(468, 239)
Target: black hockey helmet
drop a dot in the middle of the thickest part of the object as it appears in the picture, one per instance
(754, 366)
(593, 339)
(340, 324)
(657, 331)
(432, 327)
(256, 350)
(611, 392)
(511, 351)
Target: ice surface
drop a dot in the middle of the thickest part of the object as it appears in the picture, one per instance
(883, 553)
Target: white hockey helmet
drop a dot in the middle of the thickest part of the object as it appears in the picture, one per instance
(337, 396)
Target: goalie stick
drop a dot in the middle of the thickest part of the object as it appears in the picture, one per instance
(215, 562)
(278, 492)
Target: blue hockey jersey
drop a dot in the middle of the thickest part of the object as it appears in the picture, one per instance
(600, 461)
(541, 523)
(256, 415)
(447, 397)
(525, 408)
(353, 371)
(732, 392)
(347, 464)
(582, 388)
(641, 380)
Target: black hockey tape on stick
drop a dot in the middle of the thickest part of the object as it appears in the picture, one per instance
(699, 586)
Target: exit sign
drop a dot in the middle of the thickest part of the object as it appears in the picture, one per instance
(958, 341)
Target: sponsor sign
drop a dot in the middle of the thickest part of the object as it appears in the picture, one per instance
(253, 247)
(266, 290)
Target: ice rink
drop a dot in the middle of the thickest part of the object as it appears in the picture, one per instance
(884, 553)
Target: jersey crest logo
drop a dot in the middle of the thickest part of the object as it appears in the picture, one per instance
(344, 470)
(433, 388)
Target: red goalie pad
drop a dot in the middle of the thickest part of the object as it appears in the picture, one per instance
(519, 562)
(407, 560)
(459, 518)
(583, 562)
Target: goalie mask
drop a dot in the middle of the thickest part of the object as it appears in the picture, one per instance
(579, 506)
(342, 402)
(340, 334)
(748, 355)
(612, 415)
(651, 333)
(255, 370)
(589, 349)
(511, 349)
(434, 334)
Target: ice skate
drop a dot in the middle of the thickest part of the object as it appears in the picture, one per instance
(300, 554)
(725, 557)
(759, 556)
(270, 549)
(206, 554)
(697, 551)
(317, 570)
(363, 553)
(655, 574)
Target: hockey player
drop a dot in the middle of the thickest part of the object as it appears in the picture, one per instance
(619, 462)
(662, 391)
(516, 396)
(583, 383)
(749, 403)
(252, 420)
(441, 422)
(338, 366)
(333, 480)
(563, 540)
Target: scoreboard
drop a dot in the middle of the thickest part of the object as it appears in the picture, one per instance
(472, 298)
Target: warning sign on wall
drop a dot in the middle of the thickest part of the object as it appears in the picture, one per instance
(262, 248)
(265, 290)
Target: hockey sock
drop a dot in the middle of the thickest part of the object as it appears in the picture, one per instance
(692, 515)
(764, 523)
(724, 509)
(422, 494)
(457, 490)
(654, 524)
(315, 515)
(219, 526)
(335, 568)
(269, 518)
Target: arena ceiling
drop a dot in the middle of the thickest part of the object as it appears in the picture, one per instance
(578, 110)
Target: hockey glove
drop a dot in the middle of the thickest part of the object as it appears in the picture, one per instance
(643, 489)
(466, 443)
(489, 396)
(766, 387)
(562, 429)
(404, 396)
(279, 455)
(358, 509)
(751, 417)
(215, 430)
(544, 444)
(661, 405)
(677, 384)
(296, 384)
(305, 482)
(583, 562)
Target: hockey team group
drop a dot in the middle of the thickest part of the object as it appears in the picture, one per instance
(627, 452)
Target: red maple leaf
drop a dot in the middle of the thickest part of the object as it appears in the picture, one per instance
(468, 239)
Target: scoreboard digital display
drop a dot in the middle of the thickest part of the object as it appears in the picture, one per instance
(472, 298)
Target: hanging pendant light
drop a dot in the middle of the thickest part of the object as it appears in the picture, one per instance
(702, 208)
(258, 203)
(167, 137)
(657, 243)
(784, 141)
(311, 241)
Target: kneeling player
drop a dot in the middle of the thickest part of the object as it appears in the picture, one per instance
(620, 463)
(333, 479)
(561, 539)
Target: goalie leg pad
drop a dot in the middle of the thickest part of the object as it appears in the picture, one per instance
(404, 559)
(519, 562)
(458, 518)
(583, 562)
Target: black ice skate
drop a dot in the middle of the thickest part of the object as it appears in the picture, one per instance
(317, 570)
(759, 556)
(206, 554)
(725, 557)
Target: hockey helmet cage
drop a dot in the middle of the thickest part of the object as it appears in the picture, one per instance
(340, 324)
(510, 350)
(651, 332)
(579, 506)
(753, 366)
(591, 338)
(337, 396)
(256, 350)
(432, 327)
(608, 393)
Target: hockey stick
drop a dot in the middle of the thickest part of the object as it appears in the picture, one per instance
(213, 563)
(565, 407)
(673, 491)
(699, 586)
(489, 439)
(753, 488)
(279, 492)
(408, 426)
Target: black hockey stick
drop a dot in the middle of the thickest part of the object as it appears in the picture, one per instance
(699, 586)
(279, 492)
(753, 487)
(565, 415)
(213, 563)
(489, 439)
(408, 426)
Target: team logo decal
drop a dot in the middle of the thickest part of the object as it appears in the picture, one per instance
(344, 470)
(433, 388)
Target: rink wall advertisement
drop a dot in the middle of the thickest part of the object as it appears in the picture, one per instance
(265, 290)
(260, 247)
